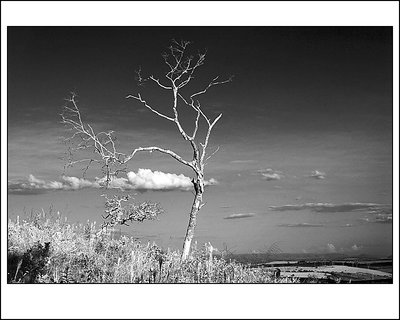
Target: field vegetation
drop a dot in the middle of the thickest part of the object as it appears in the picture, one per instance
(45, 248)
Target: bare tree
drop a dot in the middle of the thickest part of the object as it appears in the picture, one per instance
(181, 69)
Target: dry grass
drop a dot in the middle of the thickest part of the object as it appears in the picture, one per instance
(47, 249)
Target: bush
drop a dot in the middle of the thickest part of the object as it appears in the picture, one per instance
(27, 267)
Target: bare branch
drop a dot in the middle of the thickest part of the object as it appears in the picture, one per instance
(209, 157)
(102, 143)
(190, 70)
(138, 97)
(205, 144)
(141, 81)
(215, 120)
(161, 150)
(196, 125)
(214, 82)
(159, 83)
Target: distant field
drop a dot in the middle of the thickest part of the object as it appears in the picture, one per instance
(322, 268)
(256, 258)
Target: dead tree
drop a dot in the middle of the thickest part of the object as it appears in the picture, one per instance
(181, 69)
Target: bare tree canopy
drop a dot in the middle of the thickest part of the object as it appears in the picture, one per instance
(181, 69)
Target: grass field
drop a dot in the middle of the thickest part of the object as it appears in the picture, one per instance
(47, 249)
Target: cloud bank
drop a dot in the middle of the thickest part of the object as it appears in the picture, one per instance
(329, 207)
(379, 218)
(331, 248)
(243, 161)
(38, 186)
(381, 213)
(300, 225)
(144, 179)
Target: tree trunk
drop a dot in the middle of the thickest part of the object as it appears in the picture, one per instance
(198, 199)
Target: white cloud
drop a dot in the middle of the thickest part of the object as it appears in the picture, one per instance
(35, 183)
(270, 174)
(240, 215)
(317, 175)
(243, 161)
(68, 183)
(355, 247)
(211, 182)
(146, 179)
(115, 182)
(331, 248)
(78, 183)
(273, 176)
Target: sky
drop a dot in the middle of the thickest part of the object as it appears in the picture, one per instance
(305, 158)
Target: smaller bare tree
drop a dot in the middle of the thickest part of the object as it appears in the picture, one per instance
(181, 69)
(118, 214)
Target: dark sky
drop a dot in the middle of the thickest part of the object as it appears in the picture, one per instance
(307, 119)
(322, 77)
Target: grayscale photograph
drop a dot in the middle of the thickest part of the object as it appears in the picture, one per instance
(216, 159)
(194, 154)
